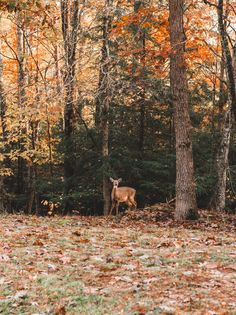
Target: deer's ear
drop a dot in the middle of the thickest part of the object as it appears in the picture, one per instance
(119, 180)
(111, 179)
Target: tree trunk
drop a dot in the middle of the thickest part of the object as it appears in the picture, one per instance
(57, 69)
(223, 97)
(33, 200)
(141, 80)
(142, 96)
(221, 158)
(218, 202)
(219, 197)
(228, 57)
(186, 207)
(104, 99)
(3, 108)
(70, 25)
(21, 96)
(3, 105)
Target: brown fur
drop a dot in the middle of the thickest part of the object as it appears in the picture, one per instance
(122, 194)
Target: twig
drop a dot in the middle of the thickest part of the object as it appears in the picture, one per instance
(210, 4)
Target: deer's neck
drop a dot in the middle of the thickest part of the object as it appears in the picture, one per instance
(114, 191)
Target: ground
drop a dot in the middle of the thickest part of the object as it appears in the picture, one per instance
(141, 263)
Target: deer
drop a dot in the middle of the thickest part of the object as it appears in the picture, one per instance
(121, 194)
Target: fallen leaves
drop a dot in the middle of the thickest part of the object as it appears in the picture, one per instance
(65, 260)
(38, 242)
(4, 257)
(140, 309)
(88, 265)
(60, 310)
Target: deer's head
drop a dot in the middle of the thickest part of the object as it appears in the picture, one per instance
(115, 182)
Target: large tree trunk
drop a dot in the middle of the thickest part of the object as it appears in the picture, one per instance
(186, 207)
(70, 25)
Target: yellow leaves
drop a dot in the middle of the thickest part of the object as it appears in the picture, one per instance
(51, 206)
(4, 171)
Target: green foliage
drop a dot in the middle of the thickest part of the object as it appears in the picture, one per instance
(204, 153)
(151, 172)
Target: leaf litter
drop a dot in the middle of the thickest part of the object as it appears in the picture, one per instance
(142, 262)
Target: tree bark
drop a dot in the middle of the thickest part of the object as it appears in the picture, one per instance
(223, 97)
(142, 95)
(219, 198)
(3, 108)
(221, 158)
(228, 62)
(3, 104)
(70, 25)
(104, 99)
(141, 80)
(228, 57)
(21, 52)
(186, 206)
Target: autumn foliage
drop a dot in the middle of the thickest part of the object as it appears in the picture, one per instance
(141, 143)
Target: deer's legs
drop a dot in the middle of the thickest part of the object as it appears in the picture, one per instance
(112, 207)
(129, 203)
(117, 207)
(132, 202)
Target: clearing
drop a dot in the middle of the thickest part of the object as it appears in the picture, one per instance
(141, 263)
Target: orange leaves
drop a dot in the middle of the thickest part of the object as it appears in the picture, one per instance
(201, 41)
(143, 19)
(198, 51)
(127, 18)
(152, 23)
(205, 54)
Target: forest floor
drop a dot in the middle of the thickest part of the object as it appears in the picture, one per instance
(141, 263)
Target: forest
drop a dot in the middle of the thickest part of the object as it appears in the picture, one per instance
(117, 157)
(86, 94)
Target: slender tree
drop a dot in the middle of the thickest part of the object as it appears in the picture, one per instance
(3, 108)
(186, 207)
(3, 104)
(21, 61)
(141, 80)
(223, 149)
(219, 198)
(228, 62)
(70, 13)
(104, 99)
(228, 56)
